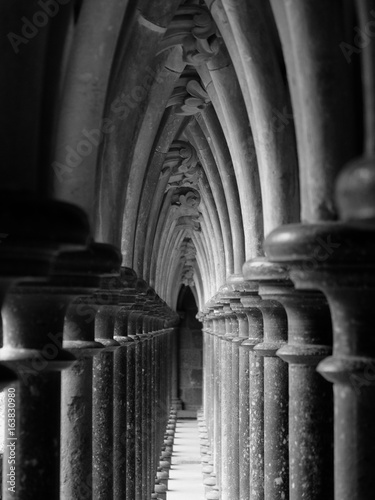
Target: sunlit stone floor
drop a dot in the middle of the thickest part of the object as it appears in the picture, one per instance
(185, 478)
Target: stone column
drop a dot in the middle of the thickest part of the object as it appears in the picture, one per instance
(228, 481)
(243, 399)
(33, 313)
(154, 453)
(159, 409)
(310, 396)
(146, 343)
(76, 405)
(103, 390)
(145, 402)
(33, 347)
(124, 397)
(217, 380)
(151, 308)
(208, 383)
(206, 363)
(251, 301)
(219, 453)
(271, 280)
(135, 413)
(338, 258)
(230, 295)
(123, 385)
(212, 370)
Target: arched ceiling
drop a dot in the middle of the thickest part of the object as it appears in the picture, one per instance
(190, 181)
(188, 130)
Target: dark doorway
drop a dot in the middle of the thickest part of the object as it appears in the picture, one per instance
(190, 352)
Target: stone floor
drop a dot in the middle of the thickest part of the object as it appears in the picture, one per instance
(185, 478)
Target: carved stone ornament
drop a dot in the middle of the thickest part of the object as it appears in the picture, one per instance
(194, 29)
(188, 258)
(185, 209)
(181, 165)
(189, 97)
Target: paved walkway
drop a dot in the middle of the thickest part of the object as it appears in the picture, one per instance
(185, 477)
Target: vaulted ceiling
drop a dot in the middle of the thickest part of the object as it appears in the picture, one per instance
(187, 130)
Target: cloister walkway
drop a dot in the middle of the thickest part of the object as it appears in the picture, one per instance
(186, 479)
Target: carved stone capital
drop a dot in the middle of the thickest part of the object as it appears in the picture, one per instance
(189, 97)
(194, 28)
(185, 204)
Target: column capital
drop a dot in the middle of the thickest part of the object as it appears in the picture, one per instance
(99, 262)
(272, 280)
(338, 259)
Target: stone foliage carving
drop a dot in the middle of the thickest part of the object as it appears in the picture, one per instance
(188, 97)
(181, 165)
(185, 209)
(188, 257)
(194, 29)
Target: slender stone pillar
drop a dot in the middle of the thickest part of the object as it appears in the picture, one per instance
(216, 383)
(242, 387)
(123, 385)
(109, 300)
(135, 329)
(33, 348)
(243, 399)
(146, 343)
(228, 481)
(251, 301)
(135, 414)
(229, 294)
(144, 376)
(154, 454)
(124, 393)
(338, 258)
(76, 404)
(209, 382)
(159, 407)
(220, 395)
(103, 366)
(35, 233)
(272, 279)
(310, 396)
(208, 372)
(210, 427)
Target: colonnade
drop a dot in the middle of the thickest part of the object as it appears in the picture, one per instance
(85, 358)
(275, 339)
